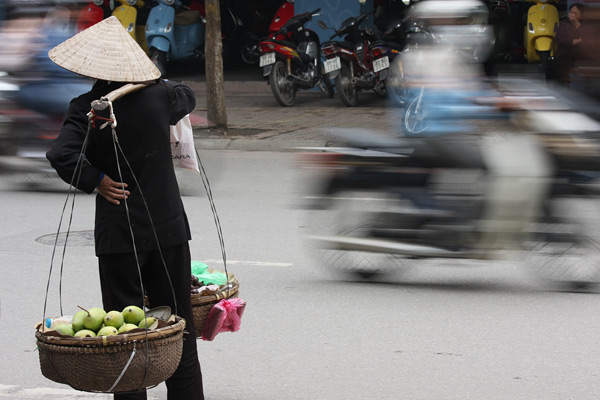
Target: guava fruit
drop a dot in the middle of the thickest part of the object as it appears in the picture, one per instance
(77, 321)
(147, 323)
(133, 314)
(127, 327)
(107, 331)
(65, 329)
(85, 333)
(94, 318)
(114, 318)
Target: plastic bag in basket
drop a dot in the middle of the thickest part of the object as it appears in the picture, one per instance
(225, 316)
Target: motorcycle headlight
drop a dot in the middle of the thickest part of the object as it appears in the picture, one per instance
(131, 2)
(98, 2)
(169, 2)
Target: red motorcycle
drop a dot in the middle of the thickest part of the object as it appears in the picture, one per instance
(250, 50)
(351, 63)
(294, 62)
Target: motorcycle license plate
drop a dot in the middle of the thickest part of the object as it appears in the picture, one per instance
(266, 59)
(381, 63)
(333, 64)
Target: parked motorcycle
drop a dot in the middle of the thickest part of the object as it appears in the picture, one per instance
(133, 15)
(174, 33)
(540, 33)
(294, 63)
(382, 200)
(351, 63)
(250, 50)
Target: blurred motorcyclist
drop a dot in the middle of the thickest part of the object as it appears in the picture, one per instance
(47, 88)
(449, 71)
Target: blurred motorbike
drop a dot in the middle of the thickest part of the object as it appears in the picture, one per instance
(25, 134)
(381, 200)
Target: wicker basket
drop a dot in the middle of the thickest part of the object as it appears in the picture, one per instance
(96, 364)
(201, 305)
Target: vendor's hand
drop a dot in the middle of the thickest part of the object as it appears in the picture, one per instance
(112, 191)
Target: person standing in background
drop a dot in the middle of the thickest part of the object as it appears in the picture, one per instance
(569, 42)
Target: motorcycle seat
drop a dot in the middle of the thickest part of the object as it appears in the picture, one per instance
(393, 45)
(187, 17)
(283, 43)
(344, 44)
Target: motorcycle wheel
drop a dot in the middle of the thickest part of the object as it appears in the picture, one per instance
(343, 84)
(283, 90)
(545, 63)
(415, 117)
(326, 86)
(571, 260)
(350, 213)
(250, 53)
(159, 58)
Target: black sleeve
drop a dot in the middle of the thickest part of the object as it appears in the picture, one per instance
(67, 149)
(182, 100)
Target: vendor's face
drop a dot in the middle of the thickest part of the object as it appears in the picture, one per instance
(575, 15)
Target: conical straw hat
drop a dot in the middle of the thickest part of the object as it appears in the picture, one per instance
(105, 51)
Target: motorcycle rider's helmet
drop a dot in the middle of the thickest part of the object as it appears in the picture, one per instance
(458, 24)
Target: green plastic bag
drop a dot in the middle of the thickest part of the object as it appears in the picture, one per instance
(208, 275)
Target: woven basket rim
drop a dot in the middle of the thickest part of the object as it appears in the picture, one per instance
(115, 340)
(226, 293)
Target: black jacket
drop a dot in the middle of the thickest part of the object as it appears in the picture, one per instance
(143, 120)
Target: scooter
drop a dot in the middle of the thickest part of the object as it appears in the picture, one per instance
(351, 63)
(174, 33)
(295, 63)
(382, 200)
(94, 12)
(131, 15)
(540, 33)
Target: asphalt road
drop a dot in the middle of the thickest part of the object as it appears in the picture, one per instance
(428, 331)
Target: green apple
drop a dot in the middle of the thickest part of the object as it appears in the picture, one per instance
(127, 327)
(78, 320)
(107, 331)
(85, 333)
(114, 318)
(65, 329)
(133, 314)
(147, 323)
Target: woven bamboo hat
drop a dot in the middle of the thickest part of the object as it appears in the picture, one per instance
(105, 51)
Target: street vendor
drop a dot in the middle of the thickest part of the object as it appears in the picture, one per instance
(141, 229)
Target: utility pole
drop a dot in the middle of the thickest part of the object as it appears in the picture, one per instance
(213, 50)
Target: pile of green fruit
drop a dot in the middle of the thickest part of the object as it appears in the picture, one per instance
(97, 322)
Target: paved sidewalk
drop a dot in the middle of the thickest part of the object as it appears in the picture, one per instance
(257, 122)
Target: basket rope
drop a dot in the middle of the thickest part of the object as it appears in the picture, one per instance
(213, 208)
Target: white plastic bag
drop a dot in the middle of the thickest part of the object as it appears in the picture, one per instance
(182, 145)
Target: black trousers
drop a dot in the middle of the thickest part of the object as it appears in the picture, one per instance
(120, 285)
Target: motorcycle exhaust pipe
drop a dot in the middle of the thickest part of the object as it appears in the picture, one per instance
(299, 81)
(361, 83)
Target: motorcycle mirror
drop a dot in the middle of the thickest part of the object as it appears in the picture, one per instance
(323, 25)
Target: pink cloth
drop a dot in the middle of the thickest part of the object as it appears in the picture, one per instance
(225, 316)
